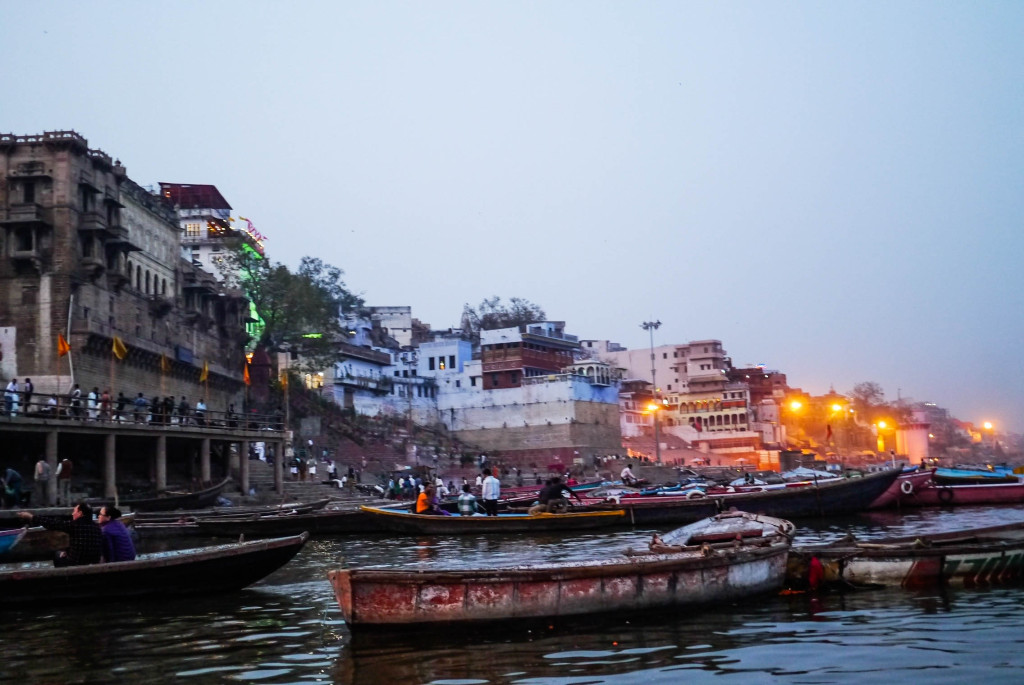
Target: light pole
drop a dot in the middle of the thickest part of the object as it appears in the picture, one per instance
(650, 327)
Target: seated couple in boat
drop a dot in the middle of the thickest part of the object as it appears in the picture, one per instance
(91, 542)
(426, 503)
(551, 499)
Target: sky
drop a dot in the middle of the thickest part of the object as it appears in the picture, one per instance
(831, 189)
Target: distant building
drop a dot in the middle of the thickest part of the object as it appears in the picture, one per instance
(87, 250)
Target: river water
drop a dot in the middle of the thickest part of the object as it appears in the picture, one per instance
(288, 628)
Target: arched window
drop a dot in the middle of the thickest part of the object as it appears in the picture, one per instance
(147, 282)
(138, 278)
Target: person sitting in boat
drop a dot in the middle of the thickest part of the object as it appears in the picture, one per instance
(425, 503)
(117, 541)
(86, 538)
(551, 499)
(467, 501)
(627, 476)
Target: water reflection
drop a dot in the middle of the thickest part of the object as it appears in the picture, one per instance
(289, 629)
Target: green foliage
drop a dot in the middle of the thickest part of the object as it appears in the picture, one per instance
(299, 310)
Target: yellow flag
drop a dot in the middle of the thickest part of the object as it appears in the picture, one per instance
(245, 375)
(120, 351)
(165, 364)
(204, 375)
(284, 379)
(63, 346)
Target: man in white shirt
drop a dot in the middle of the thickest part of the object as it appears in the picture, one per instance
(490, 491)
(627, 476)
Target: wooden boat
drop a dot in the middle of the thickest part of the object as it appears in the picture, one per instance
(9, 539)
(334, 522)
(952, 495)
(169, 500)
(968, 558)
(398, 521)
(701, 568)
(180, 515)
(841, 496)
(208, 570)
(902, 489)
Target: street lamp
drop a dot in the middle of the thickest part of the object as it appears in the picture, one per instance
(650, 327)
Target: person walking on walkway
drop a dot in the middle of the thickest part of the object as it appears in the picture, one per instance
(40, 476)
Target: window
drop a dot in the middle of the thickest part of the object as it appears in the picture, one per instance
(440, 363)
(28, 192)
(494, 379)
(192, 230)
(472, 381)
(28, 295)
(430, 363)
(458, 384)
(451, 361)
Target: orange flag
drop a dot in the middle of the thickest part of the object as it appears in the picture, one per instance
(204, 375)
(245, 375)
(119, 349)
(63, 346)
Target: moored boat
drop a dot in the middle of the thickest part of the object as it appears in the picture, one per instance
(723, 559)
(975, 494)
(967, 476)
(208, 570)
(808, 500)
(968, 558)
(399, 521)
(903, 489)
(167, 501)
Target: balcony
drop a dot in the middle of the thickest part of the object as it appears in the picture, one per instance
(27, 213)
(92, 221)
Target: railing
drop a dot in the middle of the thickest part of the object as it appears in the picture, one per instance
(65, 408)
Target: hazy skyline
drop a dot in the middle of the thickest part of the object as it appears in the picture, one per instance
(831, 189)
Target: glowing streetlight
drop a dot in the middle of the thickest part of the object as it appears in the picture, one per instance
(837, 407)
(651, 326)
(987, 425)
(796, 405)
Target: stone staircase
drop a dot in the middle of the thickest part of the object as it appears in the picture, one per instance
(261, 477)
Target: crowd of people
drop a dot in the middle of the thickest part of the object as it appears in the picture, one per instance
(97, 405)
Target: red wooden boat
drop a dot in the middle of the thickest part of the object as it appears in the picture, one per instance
(902, 489)
(951, 495)
(692, 566)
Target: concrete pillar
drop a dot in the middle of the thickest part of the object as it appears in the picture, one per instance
(51, 459)
(279, 468)
(161, 463)
(110, 465)
(243, 466)
(204, 460)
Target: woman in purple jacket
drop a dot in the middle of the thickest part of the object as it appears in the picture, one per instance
(117, 541)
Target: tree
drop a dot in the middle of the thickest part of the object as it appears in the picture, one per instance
(867, 396)
(300, 309)
(491, 314)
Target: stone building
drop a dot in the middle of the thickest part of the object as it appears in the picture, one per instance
(91, 255)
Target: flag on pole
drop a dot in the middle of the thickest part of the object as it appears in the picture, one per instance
(828, 432)
(245, 374)
(204, 375)
(284, 379)
(119, 349)
(63, 346)
(165, 364)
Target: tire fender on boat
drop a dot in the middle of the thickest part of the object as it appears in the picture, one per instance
(907, 488)
(614, 499)
(946, 495)
(695, 494)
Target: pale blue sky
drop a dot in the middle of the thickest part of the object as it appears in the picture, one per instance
(832, 189)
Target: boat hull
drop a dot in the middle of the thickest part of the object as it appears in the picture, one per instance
(902, 490)
(845, 496)
(953, 495)
(395, 521)
(210, 570)
(188, 500)
(384, 598)
(977, 558)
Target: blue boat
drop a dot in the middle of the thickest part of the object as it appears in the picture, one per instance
(9, 538)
